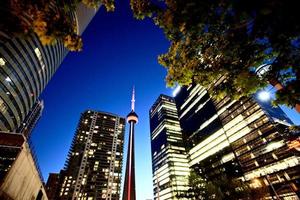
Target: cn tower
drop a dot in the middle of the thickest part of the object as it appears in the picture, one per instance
(129, 184)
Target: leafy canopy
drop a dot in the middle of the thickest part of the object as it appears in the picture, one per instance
(209, 39)
(231, 39)
(50, 20)
(221, 188)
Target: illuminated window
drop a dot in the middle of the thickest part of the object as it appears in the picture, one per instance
(3, 107)
(2, 62)
(7, 79)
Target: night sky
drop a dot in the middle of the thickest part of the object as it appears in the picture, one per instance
(118, 52)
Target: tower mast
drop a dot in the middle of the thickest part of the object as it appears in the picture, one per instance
(129, 184)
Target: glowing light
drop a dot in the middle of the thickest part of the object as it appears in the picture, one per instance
(295, 144)
(176, 90)
(2, 62)
(255, 183)
(8, 79)
(274, 145)
(264, 95)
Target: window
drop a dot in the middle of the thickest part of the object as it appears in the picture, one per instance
(40, 195)
(2, 62)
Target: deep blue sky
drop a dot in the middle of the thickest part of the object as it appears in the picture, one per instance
(118, 52)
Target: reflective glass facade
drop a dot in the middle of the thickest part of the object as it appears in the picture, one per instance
(31, 120)
(169, 159)
(26, 66)
(239, 138)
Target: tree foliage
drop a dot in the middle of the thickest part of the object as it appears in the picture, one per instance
(221, 188)
(50, 20)
(230, 38)
(209, 39)
(201, 189)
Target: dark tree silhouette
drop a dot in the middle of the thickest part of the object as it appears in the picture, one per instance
(232, 39)
(221, 188)
(248, 43)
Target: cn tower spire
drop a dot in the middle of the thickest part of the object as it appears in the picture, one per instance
(133, 99)
(129, 184)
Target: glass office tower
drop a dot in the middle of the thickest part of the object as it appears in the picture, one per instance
(243, 139)
(170, 166)
(26, 67)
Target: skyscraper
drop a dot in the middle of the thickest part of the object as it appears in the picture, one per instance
(17, 157)
(170, 166)
(243, 139)
(94, 166)
(26, 66)
(129, 184)
(9, 149)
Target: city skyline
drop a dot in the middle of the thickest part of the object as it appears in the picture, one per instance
(58, 96)
(97, 78)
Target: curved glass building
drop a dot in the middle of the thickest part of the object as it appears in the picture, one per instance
(26, 67)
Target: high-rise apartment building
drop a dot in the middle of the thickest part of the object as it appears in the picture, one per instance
(170, 166)
(26, 66)
(244, 139)
(94, 166)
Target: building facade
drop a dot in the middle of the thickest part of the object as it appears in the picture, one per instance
(18, 163)
(170, 167)
(20, 177)
(53, 185)
(94, 166)
(26, 66)
(10, 149)
(244, 139)
(31, 120)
